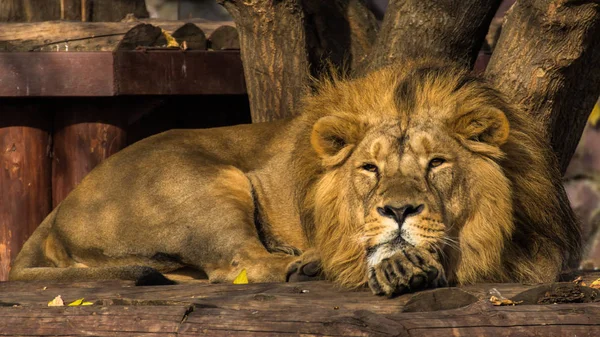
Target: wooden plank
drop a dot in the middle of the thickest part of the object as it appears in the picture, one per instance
(179, 73)
(56, 74)
(308, 308)
(121, 73)
(24, 175)
(92, 320)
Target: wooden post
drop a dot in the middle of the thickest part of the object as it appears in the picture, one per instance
(25, 189)
(87, 131)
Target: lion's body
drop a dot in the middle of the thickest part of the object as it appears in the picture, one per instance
(253, 196)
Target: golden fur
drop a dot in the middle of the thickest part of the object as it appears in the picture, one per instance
(399, 179)
(518, 226)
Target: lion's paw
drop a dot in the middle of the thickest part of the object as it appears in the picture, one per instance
(306, 268)
(409, 269)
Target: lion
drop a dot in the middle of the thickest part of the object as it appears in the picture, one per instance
(413, 176)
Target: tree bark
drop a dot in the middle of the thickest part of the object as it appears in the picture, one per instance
(547, 61)
(273, 50)
(283, 42)
(442, 28)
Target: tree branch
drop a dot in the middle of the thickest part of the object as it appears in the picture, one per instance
(548, 60)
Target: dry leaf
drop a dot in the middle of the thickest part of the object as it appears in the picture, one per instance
(171, 42)
(56, 302)
(595, 284)
(595, 115)
(579, 281)
(79, 302)
(497, 301)
(242, 278)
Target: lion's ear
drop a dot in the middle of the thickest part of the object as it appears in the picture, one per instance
(333, 138)
(488, 125)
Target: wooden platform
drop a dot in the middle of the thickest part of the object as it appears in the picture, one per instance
(308, 309)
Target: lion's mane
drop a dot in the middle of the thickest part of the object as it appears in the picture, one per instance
(502, 241)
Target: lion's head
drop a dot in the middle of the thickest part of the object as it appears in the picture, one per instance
(430, 155)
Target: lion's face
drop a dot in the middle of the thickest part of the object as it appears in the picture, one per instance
(409, 184)
(410, 169)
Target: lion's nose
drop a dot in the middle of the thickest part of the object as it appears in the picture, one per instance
(400, 213)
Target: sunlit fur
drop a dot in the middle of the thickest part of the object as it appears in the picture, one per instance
(517, 226)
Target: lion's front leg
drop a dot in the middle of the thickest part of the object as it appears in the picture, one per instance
(398, 271)
(306, 268)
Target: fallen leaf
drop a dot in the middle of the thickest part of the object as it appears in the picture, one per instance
(242, 278)
(595, 284)
(579, 281)
(497, 301)
(56, 302)
(595, 115)
(75, 303)
(171, 42)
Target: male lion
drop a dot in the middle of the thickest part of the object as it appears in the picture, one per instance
(402, 179)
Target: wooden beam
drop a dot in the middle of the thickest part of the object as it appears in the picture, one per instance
(305, 308)
(179, 73)
(97, 74)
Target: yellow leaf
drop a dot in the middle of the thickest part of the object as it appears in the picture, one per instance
(595, 115)
(242, 278)
(56, 302)
(596, 284)
(76, 303)
(171, 42)
(87, 303)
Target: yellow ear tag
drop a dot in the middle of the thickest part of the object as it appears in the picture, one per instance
(242, 278)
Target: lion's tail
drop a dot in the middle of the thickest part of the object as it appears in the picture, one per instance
(32, 264)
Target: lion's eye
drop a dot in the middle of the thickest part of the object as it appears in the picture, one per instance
(435, 162)
(370, 168)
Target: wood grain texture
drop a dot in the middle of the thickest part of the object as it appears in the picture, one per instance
(546, 60)
(56, 74)
(444, 28)
(82, 36)
(276, 309)
(172, 72)
(24, 176)
(273, 50)
(86, 132)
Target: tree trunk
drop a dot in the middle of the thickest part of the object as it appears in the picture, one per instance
(547, 60)
(273, 50)
(441, 28)
(282, 42)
